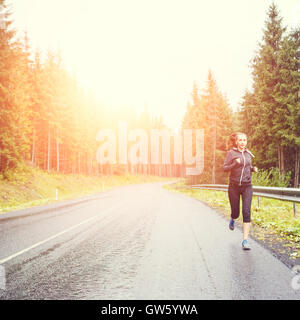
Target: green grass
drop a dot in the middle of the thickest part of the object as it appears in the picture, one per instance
(273, 215)
(31, 187)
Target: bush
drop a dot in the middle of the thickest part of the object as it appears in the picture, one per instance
(271, 178)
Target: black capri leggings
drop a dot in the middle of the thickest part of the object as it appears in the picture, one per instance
(234, 193)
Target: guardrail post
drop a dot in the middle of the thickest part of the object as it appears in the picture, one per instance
(258, 201)
(295, 209)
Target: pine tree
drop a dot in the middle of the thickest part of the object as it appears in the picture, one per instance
(210, 98)
(266, 82)
(36, 112)
(15, 96)
(211, 112)
(6, 61)
(287, 95)
(271, 112)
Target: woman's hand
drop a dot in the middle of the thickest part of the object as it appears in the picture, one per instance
(255, 169)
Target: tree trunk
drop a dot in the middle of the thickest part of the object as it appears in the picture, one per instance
(213, 178)
(280, 159)
(79, 164)
(297, 167)
(90, 166)
(57, 151)
(33, 147)
(49, 149)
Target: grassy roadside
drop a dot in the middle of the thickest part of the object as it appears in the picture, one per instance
(273, 223)
(33, 187)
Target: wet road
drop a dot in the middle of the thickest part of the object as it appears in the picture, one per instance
(135, 242)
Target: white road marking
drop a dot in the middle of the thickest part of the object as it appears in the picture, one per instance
(55, 236)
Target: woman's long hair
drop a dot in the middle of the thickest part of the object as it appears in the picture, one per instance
(231, 141)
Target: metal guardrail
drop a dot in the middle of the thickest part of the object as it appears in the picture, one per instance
(285, 194)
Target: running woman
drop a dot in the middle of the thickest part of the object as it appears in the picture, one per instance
(238, 163)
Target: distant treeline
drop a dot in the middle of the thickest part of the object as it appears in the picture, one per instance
(49, 121)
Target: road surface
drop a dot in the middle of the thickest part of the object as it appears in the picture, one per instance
(135, 242)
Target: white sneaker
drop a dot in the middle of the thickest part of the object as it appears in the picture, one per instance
(245, 245)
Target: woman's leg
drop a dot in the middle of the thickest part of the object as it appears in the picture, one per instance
(247, 193)
(234, 199)
(246, 230)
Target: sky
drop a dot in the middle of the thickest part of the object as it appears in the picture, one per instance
(148, 53)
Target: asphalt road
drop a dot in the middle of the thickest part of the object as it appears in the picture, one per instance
(135, 242)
